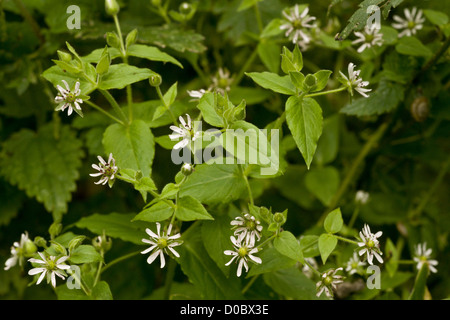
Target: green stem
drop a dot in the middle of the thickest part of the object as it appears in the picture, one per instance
(437, 55)
(114, 104)
(122, 258)
(258, 18)
(99, 270)
(130, 102)
(169, 278)
(78, 280)
(161, 97)
(119, 32)
(249, 284)
(345, 239)
(249, 189)
(325, 92)
(352, 171)
(266, 241)
(96, 107)
(354, 216)
(246, 65)
(313, 269)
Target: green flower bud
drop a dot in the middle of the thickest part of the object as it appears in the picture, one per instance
(104, 63)
(75, 242)
(102, 243)
(131, 38)
(29, 249)
(187, 169)
(112, 39)
(64, 56)
(185, 8)
(40, 242)
(279, 218)
(55, 229)
(310, 82)
(155, 80)
(112, 7)
(156, 3)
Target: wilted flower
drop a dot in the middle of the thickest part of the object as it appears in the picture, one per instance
(50, 267)
(185, 131)
(243, 252)
(161, 244)
(354, 81)
(413, 22)
(107, 170)
(296, 26)
(69, 99)
(422, 256)
(248, 228)
(361, 197)
(19, 250)
(354, 264)
(222, 81)
(328, 282)
(369, 244)
(370, 37)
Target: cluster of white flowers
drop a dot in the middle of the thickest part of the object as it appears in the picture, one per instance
(297, 24)
(248, 231)
(161, 243)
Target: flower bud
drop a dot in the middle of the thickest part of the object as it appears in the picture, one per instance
(29, 248)
(102, 243)
(112, 7)
(55, 229)
(40, 242)
(187, 169)
(112, 39)
(185, 8)
(279, 218)
(64, 56)
(155, 80)
(131, 38)
(156, 3)
(104, 63)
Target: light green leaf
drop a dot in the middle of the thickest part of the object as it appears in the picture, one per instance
(327, 243)
(151, 53)
(245, 4)
(84, 254)
(304, 119)
(160, 211)
(101, 291)
(189, 209)
(412, 46)
(328, 144)
(121, 75)
(323, 182)
(44, 166)
(214, 183)
(132, 146)
(207, 106)
(291, 61)
(115, 225)
(333, 222)
(273, 81)
(436, 17)
(55, 75)
(272, 29)
(309, 246)
(288, 245)
(269, 53)
(322, 77)
(272, 260)
(418, 292)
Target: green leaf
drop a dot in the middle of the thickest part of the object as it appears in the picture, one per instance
(151, 53)
(189, 209)
(322, 77)
(288, 245)
(309, 246)
(333, 222)
(216, 183)
(55, 75)
(412, 46)
(323, 182)
(132, 146)
(304, 119)
(327, 243)
(115, 225)
(272, 29)
(84, 254)
(272, 81)
(101, 291)
(390, 93)
(272, 260)
(245, 4)
(160, 211)
(202, 271)
(436, 17)
(216, 239)
(269, 53)
(121, 75)
(291, 61)
(206, 105)
(291, 283)
(392, 255)
(44, 164)
(329, 141)
(171, 94)
(418, 292)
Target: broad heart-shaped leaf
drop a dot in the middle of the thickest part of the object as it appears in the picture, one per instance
(43, 166)
(323, 182)
(132, 146)
(327, 243)
(120, 75)
(84, 254)
(333, 222)
(384, 99)
(274, 82)
(159, 211)
(305, 121)
(288, 245)
(412, 46)
(115, 225)
(189, 209)
(202, 271)
(214, 183)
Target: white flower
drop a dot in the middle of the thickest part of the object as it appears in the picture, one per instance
(328, 282)
(161, 244)
(50, 267)
(17, 251)
(69, 99)
(107, 170)
(196, 94)
(413, 22)
(353, 264)
(422, 256)
(354, 81)
(248, 228)
(222, 81)
(242, 253)
(370, 37)
(361, 197)
(370, 245)
(185, 131)
(296, 24)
